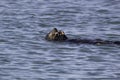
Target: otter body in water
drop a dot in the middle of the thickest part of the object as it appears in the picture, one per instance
(58, 35)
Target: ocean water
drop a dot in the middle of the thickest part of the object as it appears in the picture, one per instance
(26, 55)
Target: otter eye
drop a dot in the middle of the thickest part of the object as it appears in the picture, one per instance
(56, 33)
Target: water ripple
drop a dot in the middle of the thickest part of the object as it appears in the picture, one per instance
(26, 55)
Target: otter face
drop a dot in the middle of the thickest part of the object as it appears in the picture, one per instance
(56, 35)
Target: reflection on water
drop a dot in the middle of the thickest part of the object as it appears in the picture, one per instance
(25, 55)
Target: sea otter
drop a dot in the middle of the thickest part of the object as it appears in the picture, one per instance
(58, 35)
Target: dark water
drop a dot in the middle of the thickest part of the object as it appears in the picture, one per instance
(25, 55)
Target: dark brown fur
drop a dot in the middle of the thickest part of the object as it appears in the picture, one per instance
(56, 35)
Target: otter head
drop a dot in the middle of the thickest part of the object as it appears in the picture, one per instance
(56, 35)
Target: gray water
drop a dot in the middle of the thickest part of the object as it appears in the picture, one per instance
(26, 55)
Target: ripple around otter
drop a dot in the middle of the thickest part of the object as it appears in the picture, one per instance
(26, 55)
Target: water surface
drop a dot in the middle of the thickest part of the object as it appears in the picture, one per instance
(25, 55)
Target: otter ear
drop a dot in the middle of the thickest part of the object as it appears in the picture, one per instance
(55, 29)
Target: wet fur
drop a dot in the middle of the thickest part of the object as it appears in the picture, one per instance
(56, 35)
